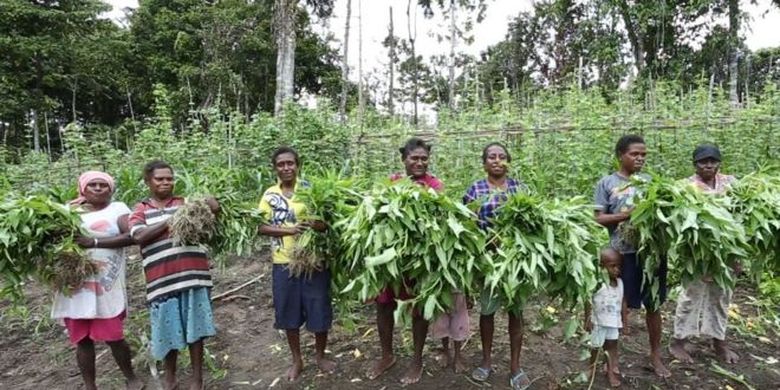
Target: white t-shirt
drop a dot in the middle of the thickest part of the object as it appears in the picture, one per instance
(607, 303)
(103, 295)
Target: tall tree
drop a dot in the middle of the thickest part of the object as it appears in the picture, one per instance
(361, 91)
(345, 66)
(414, 64)
(284, 21)
(390, 42)
(451, 65)
(285, 12)
(734, 18)
(60, 63)
(221, 55)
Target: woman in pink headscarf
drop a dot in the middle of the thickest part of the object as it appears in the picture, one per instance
(95, 311)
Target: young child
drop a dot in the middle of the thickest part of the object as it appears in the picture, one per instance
(453, 325)
(606, 318)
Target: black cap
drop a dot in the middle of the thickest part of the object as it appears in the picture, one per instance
(706, 151)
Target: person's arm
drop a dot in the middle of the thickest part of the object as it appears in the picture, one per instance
(601, 200)
(147, 234)
(141, 233)
(624, 316)
(119, 241)
(587, 319)
(281, 231)
(608, 220)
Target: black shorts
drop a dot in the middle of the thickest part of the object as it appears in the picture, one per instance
(299, 300)
(636, 291)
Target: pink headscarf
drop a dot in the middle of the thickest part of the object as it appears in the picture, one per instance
(87, 177)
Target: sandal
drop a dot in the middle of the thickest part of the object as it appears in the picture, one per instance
(519, 381)
(481, 374)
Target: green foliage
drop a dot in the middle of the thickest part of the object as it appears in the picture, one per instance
(329, 197)
(544, 247)
(409, 238)
(692, 230)
(756, 203)
(37, 237)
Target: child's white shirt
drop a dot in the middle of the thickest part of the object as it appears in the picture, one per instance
(607, 304)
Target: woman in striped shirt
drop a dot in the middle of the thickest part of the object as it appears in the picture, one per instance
(178, 281)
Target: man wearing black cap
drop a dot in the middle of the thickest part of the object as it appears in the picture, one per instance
(702, 308)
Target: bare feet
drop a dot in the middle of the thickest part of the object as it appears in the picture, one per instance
(678, 349)
(196, 386)
(459, 365)
(171, 384)
(413, 374)
(659, 367)
(615, 370)
(614, 380)
(381, 365)
(326, 366)
(725, 354)
(135, 384)
(444, 358)
(294, 372)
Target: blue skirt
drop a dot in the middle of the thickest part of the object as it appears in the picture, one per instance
(180, 320)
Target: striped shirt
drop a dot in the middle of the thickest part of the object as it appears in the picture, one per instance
(169, 268)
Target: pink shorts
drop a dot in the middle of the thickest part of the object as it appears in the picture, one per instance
(454, 324)
(96, 329)
(388, 296)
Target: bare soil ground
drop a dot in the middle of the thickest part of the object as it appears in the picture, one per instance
(249, 353)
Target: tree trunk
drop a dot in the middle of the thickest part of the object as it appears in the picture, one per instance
(733, 52)
(284, 23)
(361, 92)
(390, 103)
(35, 130)
(412, 38)
(74, 87)
(345, 67)
(633, 38)
(453, 31)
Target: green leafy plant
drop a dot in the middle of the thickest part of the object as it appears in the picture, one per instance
(37, 237)
(544, 247)
(694, 231)
(406, 237)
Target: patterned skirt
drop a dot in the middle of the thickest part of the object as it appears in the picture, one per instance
(180, 320)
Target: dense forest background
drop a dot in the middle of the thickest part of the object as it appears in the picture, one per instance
(63, 63)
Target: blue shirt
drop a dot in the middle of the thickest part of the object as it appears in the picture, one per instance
(491, 198)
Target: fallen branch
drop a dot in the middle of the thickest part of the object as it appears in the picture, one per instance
(232, 297)
(231, 291)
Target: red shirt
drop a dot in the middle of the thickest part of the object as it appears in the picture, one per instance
(426, 180)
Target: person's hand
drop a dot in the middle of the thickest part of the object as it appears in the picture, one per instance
(317, 225)
(213, 204)
(85, 242)
(301, 228)
(588, 324)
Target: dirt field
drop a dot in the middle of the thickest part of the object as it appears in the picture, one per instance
(249, 353)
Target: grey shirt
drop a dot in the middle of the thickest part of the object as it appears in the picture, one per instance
(614, 195)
